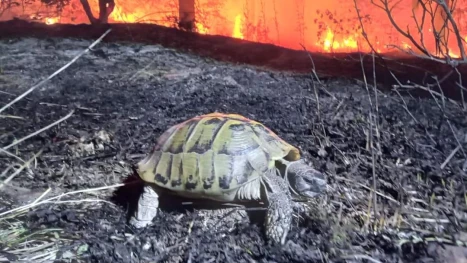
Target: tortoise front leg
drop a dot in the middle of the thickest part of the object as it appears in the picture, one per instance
(148, 204)
(279, 214)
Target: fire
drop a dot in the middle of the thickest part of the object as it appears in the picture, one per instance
(119, 15)
(52, 20)
(405, 45)
(326, 26)
(330, 44)
(200, 28)
(453, 55)
(237, 31)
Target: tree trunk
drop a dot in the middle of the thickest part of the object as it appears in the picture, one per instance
(106, 8)
(186, 14)
(88, 11)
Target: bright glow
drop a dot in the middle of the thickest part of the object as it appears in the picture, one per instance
(237, 31)
(326, 26)
(331, 44)
(52, 20)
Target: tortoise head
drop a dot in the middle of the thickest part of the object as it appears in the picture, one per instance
(304, 180)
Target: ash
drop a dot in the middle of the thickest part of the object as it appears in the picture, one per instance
(125, 95)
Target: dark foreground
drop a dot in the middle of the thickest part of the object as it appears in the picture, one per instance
(124, 96)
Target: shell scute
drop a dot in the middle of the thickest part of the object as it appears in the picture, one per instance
(235, 141)
(176, 177)
(206, 171)
(163, 169)
(214, 153)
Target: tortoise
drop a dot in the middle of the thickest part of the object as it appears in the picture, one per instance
(227, 158)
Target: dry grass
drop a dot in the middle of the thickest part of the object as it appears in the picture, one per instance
(19, 242)
(42, 245)
(418, 219)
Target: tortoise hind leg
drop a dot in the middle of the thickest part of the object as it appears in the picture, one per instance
(279, 214)
(148, 204)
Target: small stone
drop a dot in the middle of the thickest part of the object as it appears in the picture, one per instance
(322, 152)
(68, 254)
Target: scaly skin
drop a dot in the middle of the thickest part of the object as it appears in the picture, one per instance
(279, 214)
(278, 217)
(305, 180)
(148, 205)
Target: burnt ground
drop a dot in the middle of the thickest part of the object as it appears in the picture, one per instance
(407, 68)
(124, 95)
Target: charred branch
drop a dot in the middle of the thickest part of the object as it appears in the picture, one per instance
(88, 11)
(440, 18)
(6, 5)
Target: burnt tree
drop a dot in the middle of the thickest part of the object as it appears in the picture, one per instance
(186, 14)
(106, 8)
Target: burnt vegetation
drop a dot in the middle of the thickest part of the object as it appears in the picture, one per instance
(77, 114)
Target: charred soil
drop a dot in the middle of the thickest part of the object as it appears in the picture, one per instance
(124, 95)
(406, 68)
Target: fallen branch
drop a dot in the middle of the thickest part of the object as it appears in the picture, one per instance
(55, 73)
(38, 131)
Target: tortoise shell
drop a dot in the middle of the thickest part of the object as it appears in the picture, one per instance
(214, 153)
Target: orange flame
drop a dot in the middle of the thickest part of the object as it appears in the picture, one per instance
(119, 15)
(330, 44)
(237, 31)
(327, 26)
(52, 20)
(200, 28)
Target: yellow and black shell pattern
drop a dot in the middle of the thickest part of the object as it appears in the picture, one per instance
(214, 153)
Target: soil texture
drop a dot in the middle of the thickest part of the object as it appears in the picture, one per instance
(124, 95)
(393, 68)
